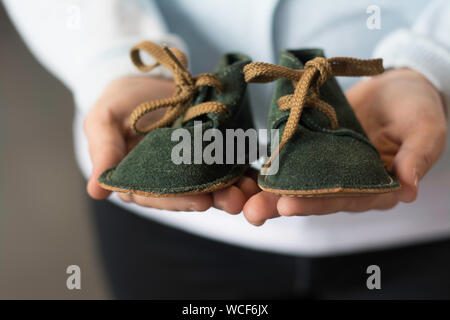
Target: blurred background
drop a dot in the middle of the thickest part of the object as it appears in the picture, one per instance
(44, 223)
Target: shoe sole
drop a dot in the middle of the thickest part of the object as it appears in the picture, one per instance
(208, 189)
(329, 193)
(332, 192)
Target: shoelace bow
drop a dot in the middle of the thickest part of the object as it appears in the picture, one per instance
(307, 83)
(187, 86)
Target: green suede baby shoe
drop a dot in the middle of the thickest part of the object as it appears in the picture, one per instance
(208, 101)
(323, 150)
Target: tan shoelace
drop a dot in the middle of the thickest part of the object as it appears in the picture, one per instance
(307, 83)
(187, 86)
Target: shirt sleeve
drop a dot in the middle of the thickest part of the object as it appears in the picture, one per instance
(424, 48)
(86, 43)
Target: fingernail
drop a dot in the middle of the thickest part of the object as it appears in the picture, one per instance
(258, 224)
(416, 178)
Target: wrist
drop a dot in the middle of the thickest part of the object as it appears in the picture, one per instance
(412, 75)
(408, 49)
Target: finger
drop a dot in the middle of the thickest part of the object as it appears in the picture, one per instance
(230, 199)
(185, 203)
(261, 207)
(106, 147)
(248, 186)
(382, 201)
(417, 154)
(290, 206)
(125, 197)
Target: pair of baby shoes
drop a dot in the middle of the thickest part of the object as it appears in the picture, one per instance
(321, 149)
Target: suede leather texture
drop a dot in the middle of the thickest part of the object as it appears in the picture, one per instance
(149, 170)
(318, 160)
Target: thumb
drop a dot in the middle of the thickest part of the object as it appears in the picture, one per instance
(107, 147)
(416, 156)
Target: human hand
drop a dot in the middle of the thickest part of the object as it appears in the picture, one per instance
(404, 117)
(110, 139)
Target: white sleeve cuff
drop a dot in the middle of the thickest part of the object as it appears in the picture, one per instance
(115, 64)
(403, 48)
